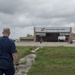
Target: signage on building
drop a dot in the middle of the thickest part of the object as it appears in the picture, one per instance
(53, 29)
(42, 29)
(64, 33)
(41, 34)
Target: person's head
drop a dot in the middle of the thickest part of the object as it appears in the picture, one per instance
(6, 32)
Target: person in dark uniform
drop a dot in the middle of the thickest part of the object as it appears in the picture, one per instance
(40, 40)
(8, 54)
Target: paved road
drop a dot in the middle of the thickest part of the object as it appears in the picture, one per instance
(45, 44)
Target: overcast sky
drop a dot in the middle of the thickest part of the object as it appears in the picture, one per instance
(22, 15)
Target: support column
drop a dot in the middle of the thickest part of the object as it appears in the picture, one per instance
(70, 32)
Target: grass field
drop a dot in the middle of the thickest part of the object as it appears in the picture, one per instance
(23, 51)
(54, 61)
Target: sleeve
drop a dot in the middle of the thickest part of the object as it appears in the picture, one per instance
(13, 48)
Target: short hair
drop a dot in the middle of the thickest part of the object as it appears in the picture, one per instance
(6, 30)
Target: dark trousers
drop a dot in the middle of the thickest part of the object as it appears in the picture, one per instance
(7, 71)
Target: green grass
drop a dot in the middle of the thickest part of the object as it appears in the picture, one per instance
(54, 61)
(23, 51)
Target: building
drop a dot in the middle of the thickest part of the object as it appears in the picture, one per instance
(73, 36)
(28, 38)
(51, 34)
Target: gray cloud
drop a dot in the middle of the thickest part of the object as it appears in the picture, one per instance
(22, 15)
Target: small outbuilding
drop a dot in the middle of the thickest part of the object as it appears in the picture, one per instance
(28, 38)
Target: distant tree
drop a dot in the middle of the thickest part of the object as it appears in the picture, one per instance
(28, 35)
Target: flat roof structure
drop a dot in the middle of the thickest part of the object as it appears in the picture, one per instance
(28, 38)
(50, 34)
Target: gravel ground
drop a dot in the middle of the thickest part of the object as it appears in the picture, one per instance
(45, 44)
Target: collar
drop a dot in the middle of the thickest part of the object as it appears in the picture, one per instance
(5, 37)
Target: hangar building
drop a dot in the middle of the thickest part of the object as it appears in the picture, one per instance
(51, 34)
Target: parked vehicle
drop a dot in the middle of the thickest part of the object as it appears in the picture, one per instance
(62, 38)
